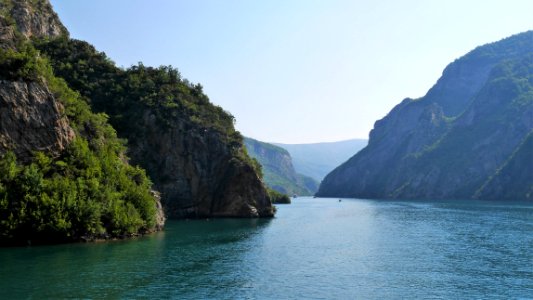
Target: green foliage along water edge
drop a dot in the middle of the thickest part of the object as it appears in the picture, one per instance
(277, 197)
(89, 191)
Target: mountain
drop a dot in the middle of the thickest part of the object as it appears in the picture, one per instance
(279, 173)
(469, 137)
(64, 175)
(78, 137)
(187, 145)
(318, 159)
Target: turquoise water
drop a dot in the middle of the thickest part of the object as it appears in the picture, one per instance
(314, 248)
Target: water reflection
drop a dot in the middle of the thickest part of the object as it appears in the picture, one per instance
(215, 230)
(114, 269)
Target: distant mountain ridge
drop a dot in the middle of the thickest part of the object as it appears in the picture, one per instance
(469, 137)
(278, 170)
(318, 159)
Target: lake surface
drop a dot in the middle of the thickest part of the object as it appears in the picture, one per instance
(314, 249)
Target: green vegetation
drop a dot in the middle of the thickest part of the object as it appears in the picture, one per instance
(87, 192)
(276, 166)
(480, 148)
(508, 91)
(23, 64)
(299, 185)
(277, 197)
(129, 95)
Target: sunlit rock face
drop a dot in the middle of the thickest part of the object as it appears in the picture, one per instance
(34, 18)
(31, 118)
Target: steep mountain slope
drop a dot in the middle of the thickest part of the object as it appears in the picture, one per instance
(279, 174)
(469, 137)
(63, 172)
(187, 145)
(318, 159)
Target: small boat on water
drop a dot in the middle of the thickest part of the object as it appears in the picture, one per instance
(340, 200)
(295, 196)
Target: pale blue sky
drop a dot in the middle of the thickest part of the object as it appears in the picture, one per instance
(297, 71)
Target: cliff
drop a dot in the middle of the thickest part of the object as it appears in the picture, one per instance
(64, 175)
(468, 137)
(188, 146)
(35, 18)
(278, 170)
(198, 170)
(32, 119)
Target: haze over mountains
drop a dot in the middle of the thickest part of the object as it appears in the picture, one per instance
(278, 171)
(469, 137)
(318, 159)
(313, 161)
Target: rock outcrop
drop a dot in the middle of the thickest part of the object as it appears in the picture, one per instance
(197, 171)
(35, 18)
(62, 193)
(7, 34)
(31, 119)
(188, 146)
(160, 217)
(468, 137)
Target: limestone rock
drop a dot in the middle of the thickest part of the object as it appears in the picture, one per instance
(34, 18)
(31, 119)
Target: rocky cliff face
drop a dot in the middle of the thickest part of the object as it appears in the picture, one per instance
(44, 195)
(34, 18)
(31, 119)
(188, 146)
(514, 179)
(7, 34)
(466, 137)
(200, 172)
(278, 170)
(197, 172)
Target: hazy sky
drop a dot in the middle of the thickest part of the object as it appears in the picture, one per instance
(298, 71)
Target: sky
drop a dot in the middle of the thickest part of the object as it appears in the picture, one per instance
(298, 71)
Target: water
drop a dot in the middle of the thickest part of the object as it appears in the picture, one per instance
(314, 248)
